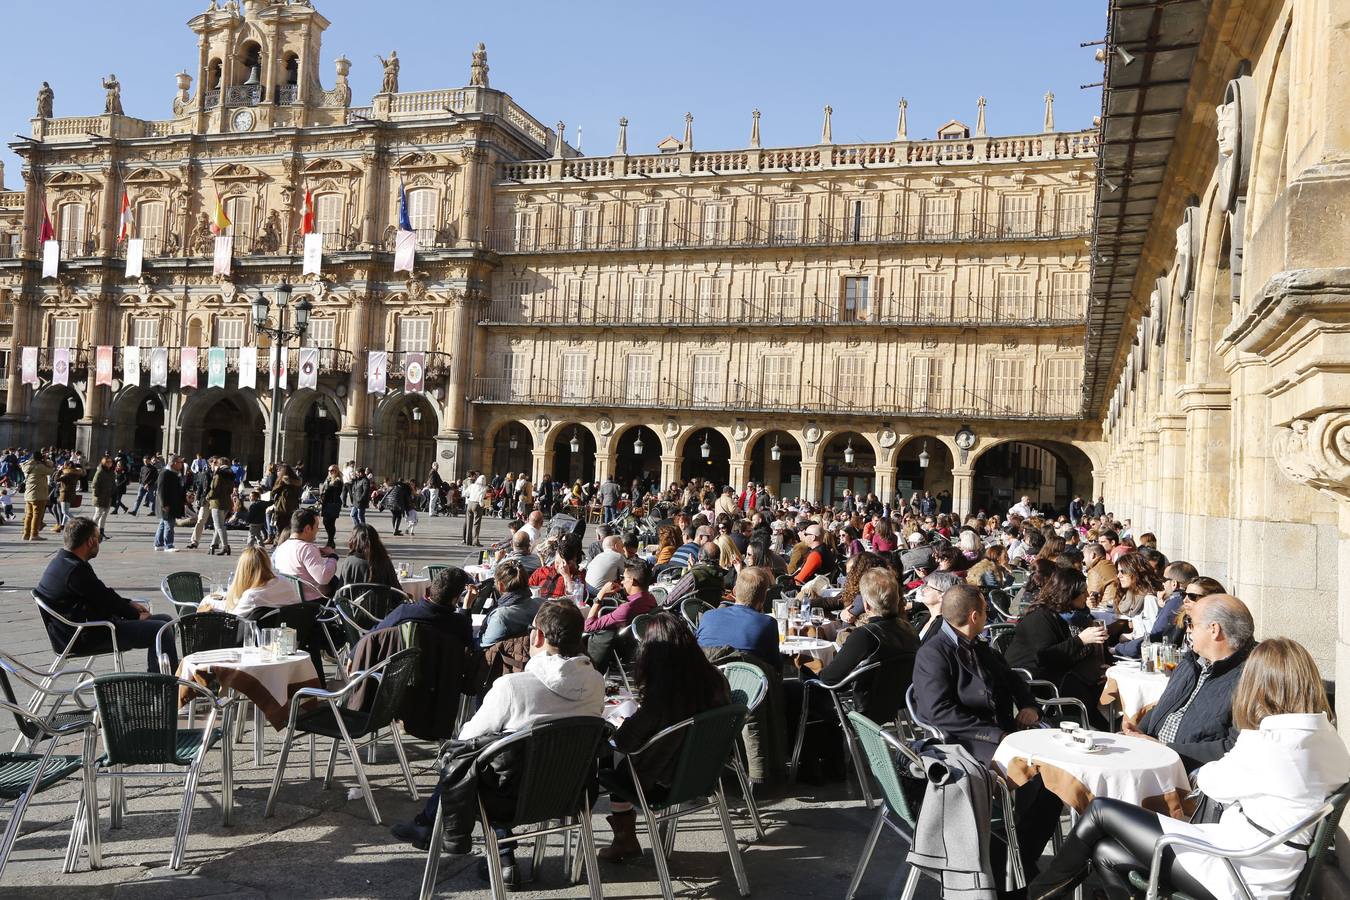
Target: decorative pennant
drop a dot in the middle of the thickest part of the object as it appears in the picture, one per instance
(215, 367)
(60, 365)
(405, 251)
(103, 365)
(187, 371)
(51, 258)
(224, 255)
(30, 375)
(276, 372)
(159, 366)
(313, 262)
(248, 367)
(131, 365)
(377, 371)
(135, 256)
(415, 373)
(309, 368)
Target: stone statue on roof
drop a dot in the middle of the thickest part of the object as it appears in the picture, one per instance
(44, 101)
(478, 69)
(112, 105)
(390, 85)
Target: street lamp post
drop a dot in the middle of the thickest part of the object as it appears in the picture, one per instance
(281, 335)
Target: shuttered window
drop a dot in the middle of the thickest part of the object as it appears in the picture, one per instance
(710, 298)
(927, 382)
(414, 334)
(1073, 212)
(66, 332)
(239, 210)
(1014, 295)
(857, 299)
(229, 332)
(1019, 214)
(645, 307)
(938, 217)
(1068, 295)
(787, 222)
(775, 380)
(70, 229)
(150, 226)
(851, 380)
(933, 301)
(708, 378)
(573, 376)
(422, 215)
(328, 210)
(649, 226)
(639, 385)
(715, 219)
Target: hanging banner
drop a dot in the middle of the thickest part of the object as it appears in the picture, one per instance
(215, 367)
(276, 371)
(131, 365)
(248, 367)
(377, 370)
(415, 373)
(30, 375)
(405, 251)
(187, 370)
(224, 254)
(313, 254)
(159, 366)
(60, 365)
(309, 368)
(103, 365)
(135, 255)
(51, 258)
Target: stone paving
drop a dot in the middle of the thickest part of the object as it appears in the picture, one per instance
(321, 843)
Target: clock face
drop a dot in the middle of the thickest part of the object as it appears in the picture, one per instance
(965, 439)
(243, 120)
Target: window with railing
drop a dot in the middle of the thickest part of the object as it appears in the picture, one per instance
(851, 380)
(934, 301)
(523, 232)
(1068, 291)
(517, 297)
(710, 298)
(1008, 380)
(1073, 211)
(584, 223)
(859, 219)
(1014, 295)
(1018, 214)
(716, 217)
(422, 215)
(516, 374)
(787, 221)
(229, 332)
(639, 382)
(707, 378)
(321, 333)
(927, 380)
(414, 334)
(645, 303)
(938, 216)
(145, 332)
(328, 217)
(649, 226)
(780, 297)
(150, 225)
(1063, 378)
(775, 379)
(576, 291)
(65, 332)
(573, 378)
(239, 210)
(857, 299)
(70, 228)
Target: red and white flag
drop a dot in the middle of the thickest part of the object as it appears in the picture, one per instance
(103, 365)
(126, 219)
(187, 369)
(307, 219)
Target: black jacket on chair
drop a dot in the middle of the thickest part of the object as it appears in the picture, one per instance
(1207, 731)
(1044, 645)
(967, 690)
(889, 641)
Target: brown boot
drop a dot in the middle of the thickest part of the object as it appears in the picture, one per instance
(625, 844)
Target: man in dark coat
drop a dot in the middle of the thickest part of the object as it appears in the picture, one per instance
(170, 495)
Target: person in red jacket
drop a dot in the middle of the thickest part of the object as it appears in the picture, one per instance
(819, 560)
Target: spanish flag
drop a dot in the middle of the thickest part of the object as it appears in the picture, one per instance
(220, 221)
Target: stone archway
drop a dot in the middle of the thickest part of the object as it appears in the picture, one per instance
(779, 470)
(138, 416)
(573, 465)
(935, 478)
(706, 454)
(310, 422)
(230, 423)
(405, 432)
(1050, 473)
(637, 457)
(57, 410)
(840, 473)
(512, 449)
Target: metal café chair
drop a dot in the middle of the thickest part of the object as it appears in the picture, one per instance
(137, 717)
(184, 591)
(1047, 698)
(749, 686)
(692, 611)
(91, 632)
(885, 756)
(25, 775)
(841, 698)
(1000, 635)
(556, 763)
(33, 680)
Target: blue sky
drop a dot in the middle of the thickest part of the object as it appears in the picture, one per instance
(588, 63)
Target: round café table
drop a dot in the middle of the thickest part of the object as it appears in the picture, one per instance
(1135, 689)
(1131, 769)
(812, 652)
(415, 586)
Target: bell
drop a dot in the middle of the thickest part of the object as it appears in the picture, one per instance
(252, 77)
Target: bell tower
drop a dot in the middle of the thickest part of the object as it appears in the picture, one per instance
(257, 66)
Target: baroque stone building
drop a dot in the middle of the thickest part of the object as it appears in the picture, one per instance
(892, 316)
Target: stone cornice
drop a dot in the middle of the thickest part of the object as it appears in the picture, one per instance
(1204, 396)
(1287, 300)
(1316, 452)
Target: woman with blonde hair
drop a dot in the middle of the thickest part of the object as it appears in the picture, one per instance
(1286, 762)
(256, 586)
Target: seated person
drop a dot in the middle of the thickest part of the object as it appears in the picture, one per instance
(818, 559)
(926, 616)
(674, 682)
(705, 579)
(520, 552)
(966, 689)
(514, 608)
(637, 577)
(367, 560)
(1045, 645)
(299, 557)
(687, 552)
(558, 682)
(882, 636)
(606, 567)
(69, 586)
(744, 626)
(1287, 760)
(560, 577)
(1176, 577)
(597, 546)
(441, 608)
(851, 601)
(254, 586)
(1194, 715)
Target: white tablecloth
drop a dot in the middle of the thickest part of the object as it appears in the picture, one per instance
(820, 650)
(415, 586)
(1137, 689)
(1131, 769)
(267, 682)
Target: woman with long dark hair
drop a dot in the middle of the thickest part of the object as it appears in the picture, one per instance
(674, 682)
(367, 560)
(1137, 599)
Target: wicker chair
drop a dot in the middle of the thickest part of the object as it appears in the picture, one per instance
(25, 775)
(184, 591)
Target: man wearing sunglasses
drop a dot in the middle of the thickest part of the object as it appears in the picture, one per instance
(1175, 578)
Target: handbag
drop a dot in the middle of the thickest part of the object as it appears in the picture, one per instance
(76, 500)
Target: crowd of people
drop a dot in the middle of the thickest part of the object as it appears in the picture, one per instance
(914, 588)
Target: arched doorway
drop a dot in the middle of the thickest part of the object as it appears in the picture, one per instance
(321, 443)
(637, 457)
(1049, 472)
(849, 464)
(707, 455)
(217, 422)
(69, 411)
(147, 434)
(776, 462)
(410, 438)
(512, 450)
(924, 464)
(574, 454)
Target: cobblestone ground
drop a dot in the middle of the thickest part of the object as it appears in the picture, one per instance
(319, 843)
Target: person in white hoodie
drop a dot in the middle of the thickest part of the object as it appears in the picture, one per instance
(558, 681)
(1287, 761)
(474, 495)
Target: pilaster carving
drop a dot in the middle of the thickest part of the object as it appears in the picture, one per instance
(1316, 452)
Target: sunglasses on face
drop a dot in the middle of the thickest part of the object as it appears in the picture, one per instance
(1191, 596)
